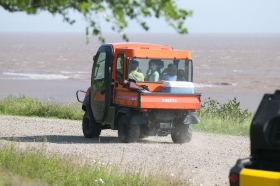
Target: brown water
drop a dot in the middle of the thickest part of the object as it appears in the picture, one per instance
(225, 66)
(247, 63)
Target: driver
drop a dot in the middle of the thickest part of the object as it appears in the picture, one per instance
(134, 74)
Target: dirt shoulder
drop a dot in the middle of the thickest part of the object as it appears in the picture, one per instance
(205, 160)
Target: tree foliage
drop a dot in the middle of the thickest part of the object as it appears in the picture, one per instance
(116, 12)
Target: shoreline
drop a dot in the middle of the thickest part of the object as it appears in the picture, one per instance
(65, 91)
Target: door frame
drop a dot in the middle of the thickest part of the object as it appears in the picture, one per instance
(107, 88)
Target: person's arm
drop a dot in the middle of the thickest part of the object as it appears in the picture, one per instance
(163, 72)
(147, 75)
(155, 76)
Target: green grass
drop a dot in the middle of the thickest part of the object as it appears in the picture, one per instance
(25, 106)
(36, 166)
(11, 179)
(225, 118)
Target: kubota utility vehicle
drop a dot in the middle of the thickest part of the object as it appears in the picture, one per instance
(128, 95)
(263, 166)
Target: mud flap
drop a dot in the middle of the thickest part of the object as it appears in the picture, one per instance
(87, 108)
(191, 119)
(137, 120)
(134, 118)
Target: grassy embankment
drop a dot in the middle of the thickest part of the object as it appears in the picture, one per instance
(215, 117)
(35, 167)
(30, 167)
(226, 118)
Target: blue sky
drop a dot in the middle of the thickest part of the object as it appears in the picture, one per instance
(209, 16)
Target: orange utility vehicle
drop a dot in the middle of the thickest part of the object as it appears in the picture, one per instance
(128, 95)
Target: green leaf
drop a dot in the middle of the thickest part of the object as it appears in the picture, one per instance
(115, 12)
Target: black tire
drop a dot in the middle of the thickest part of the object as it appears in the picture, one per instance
(182, 134)
(127, 132)
(91, 129)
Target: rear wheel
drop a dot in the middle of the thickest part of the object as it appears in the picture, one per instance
(182, 134)
(91, 129)
(127, 132)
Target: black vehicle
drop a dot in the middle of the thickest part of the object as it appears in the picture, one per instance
(263, 166)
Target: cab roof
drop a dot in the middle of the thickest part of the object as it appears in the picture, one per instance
(135, 45)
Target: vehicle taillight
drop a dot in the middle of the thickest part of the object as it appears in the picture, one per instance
(191, 110)
(233, 178)
(143, 110)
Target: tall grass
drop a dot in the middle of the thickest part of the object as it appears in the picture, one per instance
(8, 178)
(25, 106)
(37, 166)
(227, 118)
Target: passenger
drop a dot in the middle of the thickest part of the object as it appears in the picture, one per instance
(181, 75)
(134, 73)
(169, 73)
(152, 73)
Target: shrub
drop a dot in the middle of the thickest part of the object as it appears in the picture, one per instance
(227, 118)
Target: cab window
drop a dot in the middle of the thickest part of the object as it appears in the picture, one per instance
(157, 69)
(184, 70)
(98, 71)
(119, 68)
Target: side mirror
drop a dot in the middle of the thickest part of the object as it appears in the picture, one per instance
(93, 58)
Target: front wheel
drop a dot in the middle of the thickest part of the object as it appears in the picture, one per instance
(182, 134)
(91, 129)
(127, 133)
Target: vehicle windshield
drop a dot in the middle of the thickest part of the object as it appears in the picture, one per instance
(155, 70)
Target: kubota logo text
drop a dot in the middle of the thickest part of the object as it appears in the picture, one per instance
(169, 100)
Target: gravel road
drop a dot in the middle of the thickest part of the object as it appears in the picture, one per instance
(206, 160)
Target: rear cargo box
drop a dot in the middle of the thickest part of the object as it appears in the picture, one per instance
(178, 87)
